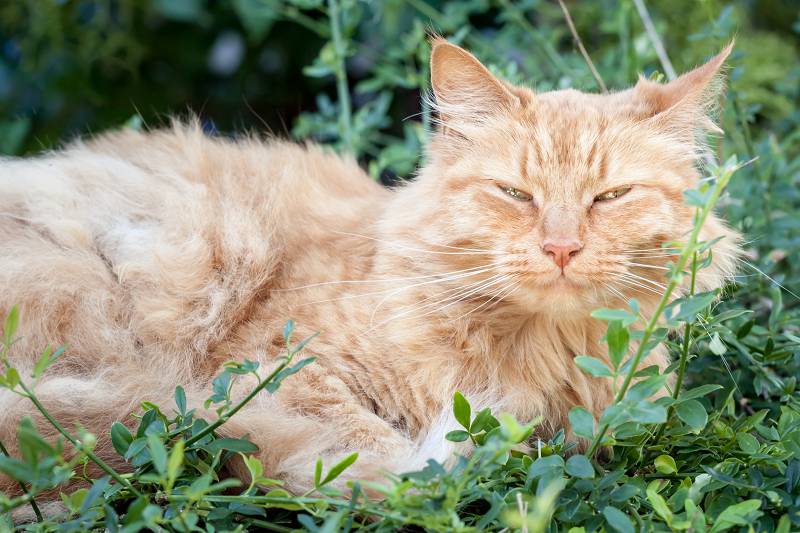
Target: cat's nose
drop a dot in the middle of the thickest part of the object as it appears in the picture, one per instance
(561, 251)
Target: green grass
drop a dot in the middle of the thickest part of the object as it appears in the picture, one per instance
(719, 452)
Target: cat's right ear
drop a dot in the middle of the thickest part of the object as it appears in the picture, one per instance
(466, 92)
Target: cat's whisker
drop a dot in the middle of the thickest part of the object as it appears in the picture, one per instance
(503, 292)
(383, 280)
(464, 297)
(646, 280)
(751, 265)
(626, 276)
(458, 294)
(401, 289)
(439, 295)
(462, 251)
(409, 311)
(638, 287)
(615, 291)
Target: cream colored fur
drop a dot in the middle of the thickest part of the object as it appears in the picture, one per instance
(156, 257)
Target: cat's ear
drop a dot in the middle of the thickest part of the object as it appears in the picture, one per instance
(686, 103)
(465, 90)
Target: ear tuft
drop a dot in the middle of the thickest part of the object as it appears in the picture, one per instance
(464, 88)
(689, 100)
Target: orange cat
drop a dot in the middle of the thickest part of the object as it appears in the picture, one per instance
(158, 256)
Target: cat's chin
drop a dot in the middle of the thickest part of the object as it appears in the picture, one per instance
(560, 296)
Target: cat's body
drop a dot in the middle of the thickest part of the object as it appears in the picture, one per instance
(156, 257)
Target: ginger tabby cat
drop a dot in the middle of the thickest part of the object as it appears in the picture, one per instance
(156, 257)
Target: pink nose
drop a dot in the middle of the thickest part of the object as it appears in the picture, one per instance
(561, 252)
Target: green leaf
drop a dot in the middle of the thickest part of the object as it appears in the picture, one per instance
(483, 421)
(618, 338)
(158, 453)
(659, 505)
(579, 466)
(648, 412)
(180, 399)
(699, 392)
(230, 444)
(458, 435)
(626, 317)
(693, 414)
(687, 308)
(286, 372)
(665, 464)
(547, 467)
(582, 422)
(11, 324)
(43, 362)
(740, 514)
(12, 378)
(339, 467)
(618, 520)
(461, 410)
(121, 438)
(716, 345)
(593, 366)
(318, 472)
(747, 443)
(175, 463)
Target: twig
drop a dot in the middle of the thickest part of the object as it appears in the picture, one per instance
(227, 416)
(655, 40)
(77, 444)
(582, 48)
(519, 16)
(35, 507)
(342, 91)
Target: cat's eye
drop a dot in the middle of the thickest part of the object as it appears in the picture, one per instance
(516, 194)
(612, 194)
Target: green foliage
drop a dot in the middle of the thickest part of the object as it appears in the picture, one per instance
(711, 444)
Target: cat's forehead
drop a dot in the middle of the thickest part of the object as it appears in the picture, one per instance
(565, 141)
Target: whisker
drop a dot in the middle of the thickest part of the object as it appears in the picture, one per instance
(467, 288)
(373, 293)
(385, 280)
(751, 265)
(646, 280)
(405, 313)
(500, 294)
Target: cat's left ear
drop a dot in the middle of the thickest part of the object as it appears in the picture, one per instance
(686, 103)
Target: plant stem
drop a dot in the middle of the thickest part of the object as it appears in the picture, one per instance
(685, 348)
(35, 507)
(655, 40)
(688, 249)
(548, 49)
(224, 418)
(77, 444)
(578, 41)
(342, 91)
(295, 15)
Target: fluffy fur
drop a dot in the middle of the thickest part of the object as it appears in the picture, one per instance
(156, 257)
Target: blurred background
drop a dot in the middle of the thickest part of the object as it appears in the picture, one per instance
(350, 73)
(70, 67)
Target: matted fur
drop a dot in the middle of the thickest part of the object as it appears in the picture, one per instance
(156, 257)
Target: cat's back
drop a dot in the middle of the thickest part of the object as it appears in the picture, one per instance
(140, 241)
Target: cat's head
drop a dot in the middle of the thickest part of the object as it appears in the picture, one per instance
(564, 198)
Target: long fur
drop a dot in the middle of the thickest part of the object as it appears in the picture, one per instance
(156, 257)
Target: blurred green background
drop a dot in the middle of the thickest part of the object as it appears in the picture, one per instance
(70, 67)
